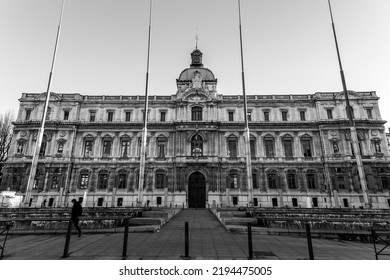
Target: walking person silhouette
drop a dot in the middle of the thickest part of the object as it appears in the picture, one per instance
(77, 211)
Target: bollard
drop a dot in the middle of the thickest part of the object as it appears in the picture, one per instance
(309, 244)
(186, 241)
(125, 239)
(250, 246)
(67, 241)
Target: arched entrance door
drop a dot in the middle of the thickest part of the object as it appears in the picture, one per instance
(197, 190)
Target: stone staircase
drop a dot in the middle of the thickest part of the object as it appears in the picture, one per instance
(233, 219)
(152, 220)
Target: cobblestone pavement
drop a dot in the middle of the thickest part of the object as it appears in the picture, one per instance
(208, 240)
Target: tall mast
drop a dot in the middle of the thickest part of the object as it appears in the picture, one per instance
(144, 130)
(37, 148)
(354, 138)
(246, 131)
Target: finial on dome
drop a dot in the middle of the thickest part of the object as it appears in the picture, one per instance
(196, 38)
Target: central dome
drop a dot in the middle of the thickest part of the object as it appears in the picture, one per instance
(196, 66)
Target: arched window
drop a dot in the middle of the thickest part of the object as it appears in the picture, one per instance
(196, 113)
(42, 151)
(311, 179)
(161, 147)
(233, 179)
(103, 179)
(125, 146)
(288, 146)
(107, 146)
(36, 179)
(252, 142)
(272, 180)
(307, 146)
(254, 179)
(48, 113)
(196, 145)
(88, 146)
(291, 179)
(84, 179)
(232, 147)
(122, 179)
(269, 144)
(160, 179)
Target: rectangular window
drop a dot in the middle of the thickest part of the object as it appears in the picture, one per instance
(160, 178)
(253, 148)
(340, 182)
(302, 114)
(369, 113)
(125, 148)
(284, 116)
(122, 181)
(385, 183)
(42, 151)
(28, 114)
(306, 146)
(107, 144)
(288, 148)
(110, 116)
(249, 116)
(54, 183)
(291, 181)
(329, 113)
(295, 202)
(103, 181)
(84, 181)
(162, 116)
(127, 116)
(233, 181)
(92, 116)
(161, 149)
(88, 150)
(254, 180)
(269, 148)
(196, 113)
(231, 116)
(100, 201)
(272, 181)
(311, 182)
(266, 116)
(232, 146)
(66, 115)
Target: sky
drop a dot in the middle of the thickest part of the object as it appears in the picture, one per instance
(288, 46)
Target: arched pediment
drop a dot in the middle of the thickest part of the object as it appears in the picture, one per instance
(196, 95)
(53, 97)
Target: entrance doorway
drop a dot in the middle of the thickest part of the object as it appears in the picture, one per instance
(197, 190)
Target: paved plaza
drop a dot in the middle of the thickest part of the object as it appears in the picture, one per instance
(208, 239)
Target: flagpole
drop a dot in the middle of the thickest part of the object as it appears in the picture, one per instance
(352, 123)
(246, 131)
(145, 121)
(37, 148)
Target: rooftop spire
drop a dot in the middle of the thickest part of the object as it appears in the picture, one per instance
(196, 38)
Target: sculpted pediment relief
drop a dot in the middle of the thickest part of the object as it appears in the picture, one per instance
(53, 97)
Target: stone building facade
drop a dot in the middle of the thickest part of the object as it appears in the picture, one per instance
(300, 148)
